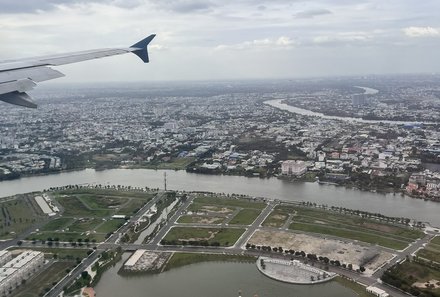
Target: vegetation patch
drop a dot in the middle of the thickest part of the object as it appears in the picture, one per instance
(74, 207)
(194, 219)
(231, 202)
(17, 216)
(110, 226)
(278, 216)
(85, 224)
(414, 278)
(245, 217)
(57, 224)
(202, 236)
(431, 252)
(182, 259)
(357, 288)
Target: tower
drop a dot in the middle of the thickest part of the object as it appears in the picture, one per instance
(165, 181)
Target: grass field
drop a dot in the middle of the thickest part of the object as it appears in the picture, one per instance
(189, 219)
(74, 207)
(351, 234)
(110, 192)
(245, 217)
(430, 252)
(16, 216)
(343, 225)
(278, 216)
(100, 201)
(110, 226)
(182, 259)
(67, 236)
(224, 237)
(57, 224)
(44, 281)
(83, 225)
(131, 207)
(174, 164)
(436, 240)
(408, 273)
(231, 202)
(357, 288)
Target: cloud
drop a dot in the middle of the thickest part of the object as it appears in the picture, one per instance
(33, 6)
(343, 38)
(311, 13)
(184, 6)
(282, 42)
(421, 32)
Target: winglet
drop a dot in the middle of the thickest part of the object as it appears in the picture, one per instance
(141, 48)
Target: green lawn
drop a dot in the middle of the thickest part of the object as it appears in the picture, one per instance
(182, 259)
(67, 236)
(110, 226)
(436, 240)
(57, 224)
(74, 207)
(131, 207)
(86, 224)
(100, 201)
(110, 192)
(209, 220)
(174, 164)
(430, 252)
(222, 236)
(231, 202)
(16, 216)
(245, 217)
(278, 217)
(350, 234)
(333, 218)
(42, 282)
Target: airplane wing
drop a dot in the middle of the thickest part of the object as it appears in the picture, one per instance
(20, 76)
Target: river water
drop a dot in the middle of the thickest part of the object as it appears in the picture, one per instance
(389, 204)
(215, 279)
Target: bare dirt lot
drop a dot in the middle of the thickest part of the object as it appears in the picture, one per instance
(342, 250)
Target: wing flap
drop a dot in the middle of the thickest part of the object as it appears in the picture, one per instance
(37, 74)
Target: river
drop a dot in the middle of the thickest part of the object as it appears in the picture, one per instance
(215, 279)
(278, 103)
(387, 204)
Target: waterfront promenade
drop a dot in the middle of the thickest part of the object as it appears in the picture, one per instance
(293, 272)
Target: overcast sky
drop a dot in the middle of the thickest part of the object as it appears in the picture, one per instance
(228, 39)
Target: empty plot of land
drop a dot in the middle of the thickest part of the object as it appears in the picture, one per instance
(16, 216)
(430, 252)
(345, 252)
(202, 236)
(195, 219)
(348, 226)
(231, 202)
(278, 216)
(245, 217)
(371, 238)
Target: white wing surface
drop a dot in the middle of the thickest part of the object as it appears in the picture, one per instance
(20, 76)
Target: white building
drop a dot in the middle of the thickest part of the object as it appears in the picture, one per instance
(20, 268)
(293, 167)
(377, 292)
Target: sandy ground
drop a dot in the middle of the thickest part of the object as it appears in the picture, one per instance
(344, 251)
(435, 284)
